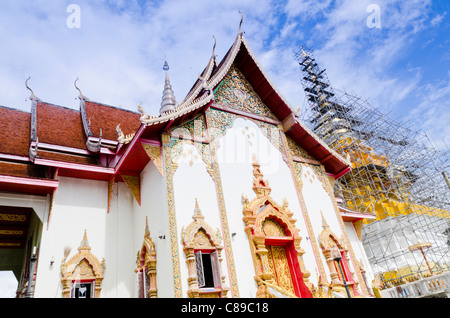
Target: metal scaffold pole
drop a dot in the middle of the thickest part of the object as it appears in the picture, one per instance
(397, 174)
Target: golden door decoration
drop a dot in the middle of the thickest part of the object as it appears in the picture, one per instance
(146, 267)
(83, 266)
(272, 234)
(198, 235)
(279, 267)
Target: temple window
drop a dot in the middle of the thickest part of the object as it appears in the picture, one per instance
(207, 268)
(203, 258)
(331, 244)
(82, 289)
(146, 267)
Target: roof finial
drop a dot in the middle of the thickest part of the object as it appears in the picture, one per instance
(32, 96)
(168, 101)
(81, 96)
(197, 211)
(240, 23)
(166, 65)
(214, 46)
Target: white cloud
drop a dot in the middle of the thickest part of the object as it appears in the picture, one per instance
(120, 48)
(432, 112)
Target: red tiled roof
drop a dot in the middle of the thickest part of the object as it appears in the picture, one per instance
(21, 170)
(107, 118)
(59, 126)
(15, 131)
(72, 158)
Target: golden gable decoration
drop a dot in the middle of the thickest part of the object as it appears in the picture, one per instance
(236, 92)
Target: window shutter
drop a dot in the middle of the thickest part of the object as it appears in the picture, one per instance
(144, 283)
(138, 284)
(199, 268)
(216, 269)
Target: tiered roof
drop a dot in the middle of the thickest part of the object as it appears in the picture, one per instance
(100, 141)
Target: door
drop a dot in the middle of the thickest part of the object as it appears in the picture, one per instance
(279, 266)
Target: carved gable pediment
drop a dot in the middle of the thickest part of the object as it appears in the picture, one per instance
(236, 92)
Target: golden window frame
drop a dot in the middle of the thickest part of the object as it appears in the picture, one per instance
(146, 262)
(198, 235)
(83, 266)
(328, 241)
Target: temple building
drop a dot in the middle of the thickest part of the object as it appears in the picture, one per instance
(225, 193)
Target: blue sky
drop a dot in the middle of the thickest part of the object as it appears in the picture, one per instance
(120, 46)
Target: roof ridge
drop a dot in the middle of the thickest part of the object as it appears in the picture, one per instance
(16, 109)
(112, 106)
(60, 106)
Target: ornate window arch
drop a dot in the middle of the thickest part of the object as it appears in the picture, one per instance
(328, 241)
(82, 274)
(203, 257)
(146, 267)
(274, 242)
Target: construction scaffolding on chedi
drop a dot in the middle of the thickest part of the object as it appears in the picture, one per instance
(396, 174)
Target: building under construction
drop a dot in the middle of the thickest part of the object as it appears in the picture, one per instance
(397, 174)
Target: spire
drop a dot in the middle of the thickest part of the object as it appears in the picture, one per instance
(84, 243)
(197, 211)
(168, 101)
(260, 186)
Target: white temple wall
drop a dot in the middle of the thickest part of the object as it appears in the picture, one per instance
(319, 202)
(119, 275)
(235, 157)
(190, 181)
(360, 253)
(154, 207)
(80, 205)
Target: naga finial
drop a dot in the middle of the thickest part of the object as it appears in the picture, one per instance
(240, 23)
(32, 96)
(81, 96)
(214, 46)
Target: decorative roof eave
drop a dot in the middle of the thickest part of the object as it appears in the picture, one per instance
(324, 145)
(227, 62)
(201, 84)
(180, 111)
(92, 144)
(353, 215)
(33, 125)
(122, 138)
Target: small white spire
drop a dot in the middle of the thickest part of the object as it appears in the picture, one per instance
(168, 101)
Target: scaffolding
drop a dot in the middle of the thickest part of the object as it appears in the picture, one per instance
(398, 174)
